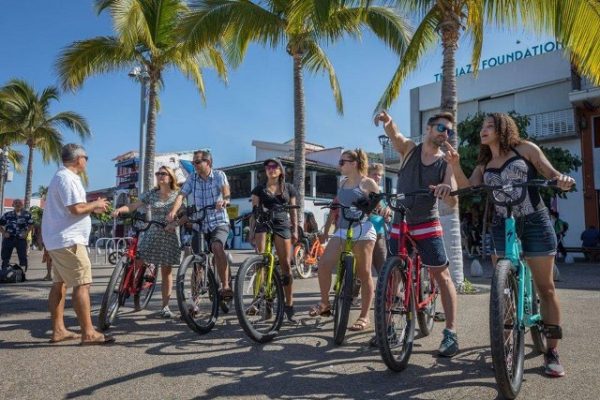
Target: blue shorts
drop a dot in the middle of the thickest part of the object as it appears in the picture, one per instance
(535, 231)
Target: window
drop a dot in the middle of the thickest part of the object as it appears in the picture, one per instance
(326, 185)
(596, 132)
(239, 185)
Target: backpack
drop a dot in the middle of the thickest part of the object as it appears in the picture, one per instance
(12, 274)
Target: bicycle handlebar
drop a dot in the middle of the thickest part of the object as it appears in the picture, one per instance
(190, 210)
(505, 189)
(393, 198)
(137, 218)
(333, 206)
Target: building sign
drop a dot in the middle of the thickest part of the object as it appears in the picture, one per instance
(494, 61)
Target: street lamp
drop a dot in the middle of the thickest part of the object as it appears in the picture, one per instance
(141, 75)
(384, 140)
(3, 176)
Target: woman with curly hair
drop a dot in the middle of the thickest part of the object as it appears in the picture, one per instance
(505, 158)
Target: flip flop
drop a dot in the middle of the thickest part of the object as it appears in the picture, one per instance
(66, 338)
(361, 324)
(107, 340)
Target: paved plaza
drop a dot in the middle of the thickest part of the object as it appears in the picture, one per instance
(163, 359)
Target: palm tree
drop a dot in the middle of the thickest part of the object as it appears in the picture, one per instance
(301, 27)
(30, 123)
(145, 35)
(574, 23)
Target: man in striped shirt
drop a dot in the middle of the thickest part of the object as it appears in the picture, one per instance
(204, 188)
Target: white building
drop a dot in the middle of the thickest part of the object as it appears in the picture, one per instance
(563, 110)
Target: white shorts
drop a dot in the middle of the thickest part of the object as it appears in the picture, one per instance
(363, 231)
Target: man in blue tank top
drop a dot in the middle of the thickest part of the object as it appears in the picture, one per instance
(424, 167)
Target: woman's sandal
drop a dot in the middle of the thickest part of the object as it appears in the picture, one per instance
(320, 311)
(360, 325)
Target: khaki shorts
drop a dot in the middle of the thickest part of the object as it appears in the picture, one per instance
(71, 265)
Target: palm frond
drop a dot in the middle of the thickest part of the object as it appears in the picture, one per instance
(389, 26)
(189, 66)
(16, 158)
(474, 25)
(316, 60)
(128, 20)
(73, 121)
(49, 142)
(85, 58)
(424, 38)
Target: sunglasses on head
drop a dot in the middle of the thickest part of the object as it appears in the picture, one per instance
(342, 162)
(443, 128)
(160, 173)
(198, 162)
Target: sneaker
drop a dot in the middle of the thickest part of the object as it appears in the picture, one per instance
(166, 313)
(552, 366)
(449, 345)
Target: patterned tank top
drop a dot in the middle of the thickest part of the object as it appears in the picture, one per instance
(515, 169)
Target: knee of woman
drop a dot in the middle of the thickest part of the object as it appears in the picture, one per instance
(546, 292)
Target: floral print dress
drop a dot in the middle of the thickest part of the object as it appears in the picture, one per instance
(158, 246)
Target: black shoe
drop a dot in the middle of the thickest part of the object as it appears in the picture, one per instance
(289, 313)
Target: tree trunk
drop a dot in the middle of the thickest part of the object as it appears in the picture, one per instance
(28, 178)
(150, 135)
(450, 33)
(299, 136)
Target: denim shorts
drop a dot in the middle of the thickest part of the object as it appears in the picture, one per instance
(431, 250)
(535, 231)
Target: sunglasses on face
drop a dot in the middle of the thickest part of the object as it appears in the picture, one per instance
(161, 174)
(342, 162)
(198, 162)
(86, 157)
(271, 166)
(441, 128)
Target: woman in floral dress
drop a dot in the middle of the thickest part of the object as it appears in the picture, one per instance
(159, 246)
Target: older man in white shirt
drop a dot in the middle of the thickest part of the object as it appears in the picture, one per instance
(66, 226)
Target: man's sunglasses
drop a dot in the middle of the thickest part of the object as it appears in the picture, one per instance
(441, 128)
(86, 157)
(198, 162)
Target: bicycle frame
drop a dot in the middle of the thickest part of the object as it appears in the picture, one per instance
(270, 263)
(413, 270)
(524, 280)
(346, 252)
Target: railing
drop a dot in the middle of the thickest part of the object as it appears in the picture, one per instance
(552, 124)
(105, 246)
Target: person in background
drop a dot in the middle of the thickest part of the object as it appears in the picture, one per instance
(16, 226)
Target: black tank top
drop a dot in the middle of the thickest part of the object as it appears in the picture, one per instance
(515, 169)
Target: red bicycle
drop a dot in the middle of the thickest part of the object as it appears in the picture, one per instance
(131, 277)
(405, 289)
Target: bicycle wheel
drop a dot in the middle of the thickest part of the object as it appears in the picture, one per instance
(507, 337)
(114, 295)
(394, 314)
(114, 257)
(343, 301)
(427, 312)
(197, 295)
(304, 270)
(537, 335)
(146, 284)
(259, 308)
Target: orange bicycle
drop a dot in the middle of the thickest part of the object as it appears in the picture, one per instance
(304, 260)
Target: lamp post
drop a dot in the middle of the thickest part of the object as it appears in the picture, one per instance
(3, 175)
(384, 140)
(141, 75)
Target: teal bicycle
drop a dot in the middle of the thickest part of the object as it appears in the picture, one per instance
(514, 304)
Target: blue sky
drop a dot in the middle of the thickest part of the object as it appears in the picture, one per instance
(257, 102)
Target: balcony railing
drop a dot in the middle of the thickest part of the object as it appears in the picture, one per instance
(552, 124)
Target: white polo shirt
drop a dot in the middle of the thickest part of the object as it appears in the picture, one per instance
(60, 228)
